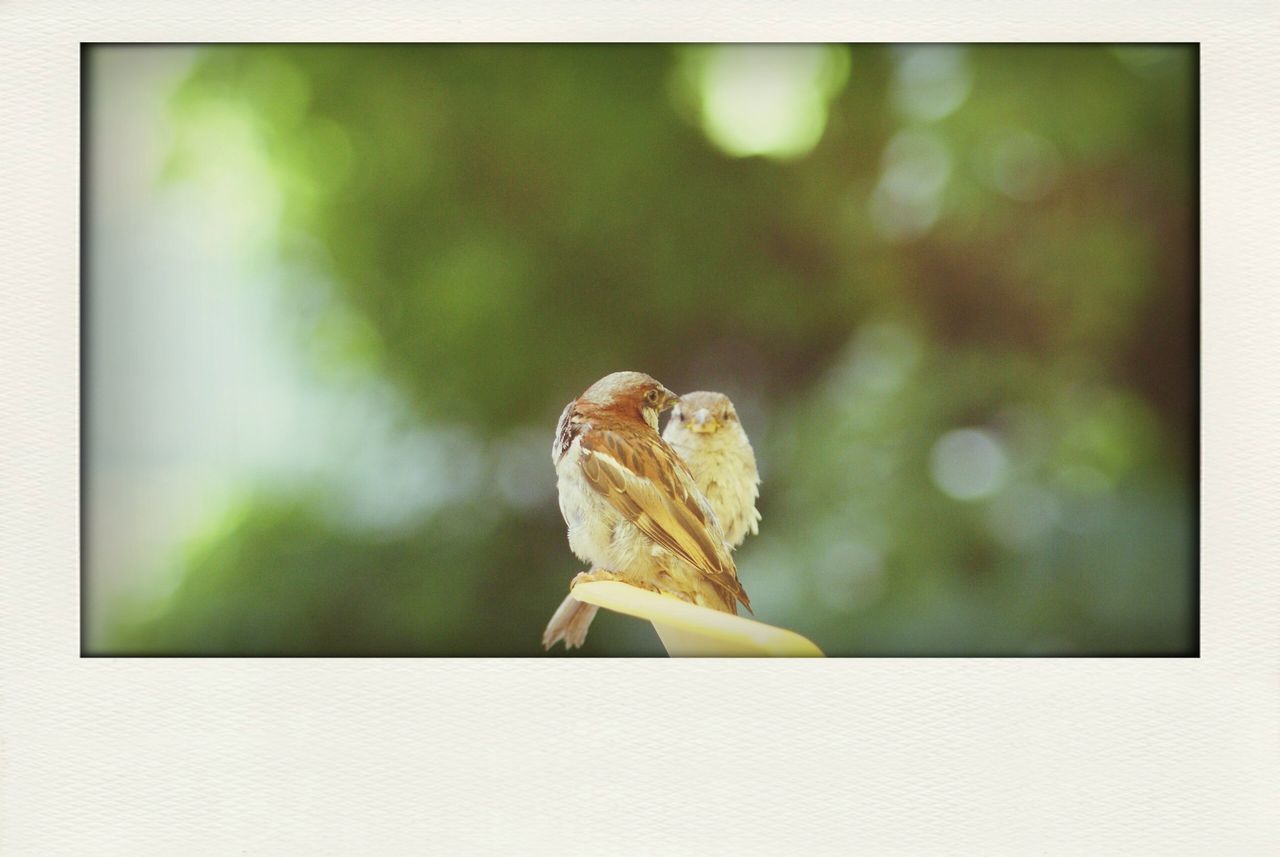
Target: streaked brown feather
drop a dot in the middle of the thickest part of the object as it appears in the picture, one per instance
(668, 511)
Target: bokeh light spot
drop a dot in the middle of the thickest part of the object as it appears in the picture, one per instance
(907, 201)
(233, 176)
(930, 81)
(769, 100)
(967, 464)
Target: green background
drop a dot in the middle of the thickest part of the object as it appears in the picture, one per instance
(952, 291)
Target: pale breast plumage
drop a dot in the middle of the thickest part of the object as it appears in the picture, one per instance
(724, 467)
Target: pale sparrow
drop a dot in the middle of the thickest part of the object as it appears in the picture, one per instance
(705, 431)
(633, 509)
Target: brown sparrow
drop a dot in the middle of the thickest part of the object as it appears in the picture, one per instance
(704, 430)
(634, 510)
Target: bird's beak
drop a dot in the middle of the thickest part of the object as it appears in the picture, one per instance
(703, 422)
(669, 399)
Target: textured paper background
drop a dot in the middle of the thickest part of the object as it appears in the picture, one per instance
(315, 757)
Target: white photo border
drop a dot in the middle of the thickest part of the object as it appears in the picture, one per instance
(162, 756)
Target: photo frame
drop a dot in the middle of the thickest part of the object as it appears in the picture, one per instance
(882, 756)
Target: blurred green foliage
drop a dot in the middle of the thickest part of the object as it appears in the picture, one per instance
(985, 267)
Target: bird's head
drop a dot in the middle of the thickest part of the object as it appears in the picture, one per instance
(703, 413)
(630, 394)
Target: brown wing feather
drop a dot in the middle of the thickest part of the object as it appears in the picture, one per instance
(653, 489)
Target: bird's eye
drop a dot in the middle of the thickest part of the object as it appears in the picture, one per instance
(651, 397)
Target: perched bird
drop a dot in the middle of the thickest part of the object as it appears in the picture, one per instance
(705, 431)
(633, 509)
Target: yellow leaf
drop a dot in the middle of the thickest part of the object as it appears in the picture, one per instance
(687, 630)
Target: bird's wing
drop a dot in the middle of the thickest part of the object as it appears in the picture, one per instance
(649, 485)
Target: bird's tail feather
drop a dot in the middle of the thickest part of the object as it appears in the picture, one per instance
(569, 623)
